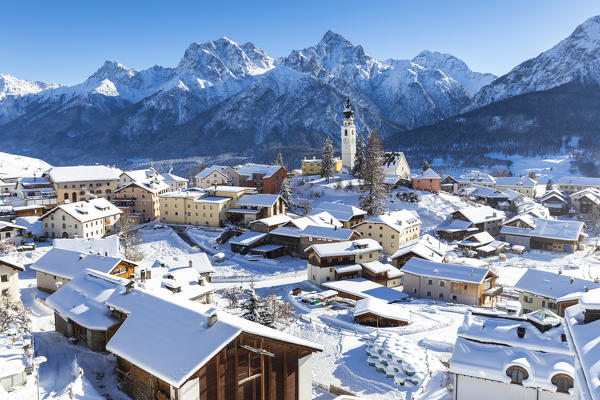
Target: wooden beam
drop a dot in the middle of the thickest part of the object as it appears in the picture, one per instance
(236, 371)
(218, 363)
(262, 370)
(284, 374)
(248, 379)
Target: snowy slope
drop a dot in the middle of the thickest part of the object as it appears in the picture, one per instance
(574, 59)
(17, 166)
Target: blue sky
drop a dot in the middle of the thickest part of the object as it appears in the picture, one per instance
(66, 41)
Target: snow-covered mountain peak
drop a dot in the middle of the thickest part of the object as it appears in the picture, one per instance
(113, 71)
(574, 59)
(12, 86)
(223, 59)
(472, 81)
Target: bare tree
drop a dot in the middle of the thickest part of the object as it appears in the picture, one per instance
(129, 242)
(13, 316)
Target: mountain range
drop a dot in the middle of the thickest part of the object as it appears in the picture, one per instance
(230, 98)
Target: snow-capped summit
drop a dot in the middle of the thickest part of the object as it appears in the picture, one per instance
(222, 59)
(12, 86)
(456, 68)
(574, 59)
(334, 57)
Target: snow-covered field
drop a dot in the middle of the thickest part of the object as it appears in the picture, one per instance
(15, 166)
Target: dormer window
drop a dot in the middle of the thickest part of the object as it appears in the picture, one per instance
(517, 374)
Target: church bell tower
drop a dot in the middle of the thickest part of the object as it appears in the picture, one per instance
(348, 137)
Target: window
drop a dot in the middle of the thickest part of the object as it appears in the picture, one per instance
(517, 375)
(562, 382)
(442, 283)
(454, 297)
(429, 282)
(4, 278)
(415, 290)
(441, 295)
(429, 294)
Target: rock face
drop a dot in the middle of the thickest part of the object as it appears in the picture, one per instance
(574, 59)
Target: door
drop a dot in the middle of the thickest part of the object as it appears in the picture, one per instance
(191, 390)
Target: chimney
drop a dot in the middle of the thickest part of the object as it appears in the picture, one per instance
(560, 271)
(143, 275)
(129, 287)
(190, 263)
(585, 288)
(212, 316)
(201, 281)
(132, 277)
(148, 274)
(521, 332)
(572, 280)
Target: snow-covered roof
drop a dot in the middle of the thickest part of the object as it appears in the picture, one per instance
(480, 214)
(248, 238)
(484, 192)
(551, 285)
(478, 239)
(522, 181)
(353, 247)
(428, 174)
(279, 219)
(108, 246)
(266, 170)
(456, 225)
(583, 340)
(377, 267)
(554, 194)
(591, 193)
(451, 272)
(426, 247)
(488, 344)
(340, 211)
(327, 232)
(579, 181)
(34, 180)
(68, 263)
(151, 185)
(365, 288)
(343, 269)
(392, 161)
(83, 299)
(512, 194)
(290, 231)
(397, 220)
(371, 305)
(169, 177)
(257, 200)
(189, 193)
(209, 170)
(199, 262)
(11, 262)
(88, 210)
(212, 200)
(173, 329)
(476, 177)
(548, 229)
(82, 173)
(6, 224)
(140, 175)
(323, 218)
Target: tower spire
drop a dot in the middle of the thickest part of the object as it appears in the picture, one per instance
(348, 109)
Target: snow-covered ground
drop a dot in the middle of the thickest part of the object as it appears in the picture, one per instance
(347, 361)
(17, 166)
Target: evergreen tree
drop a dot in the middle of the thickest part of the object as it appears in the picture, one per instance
(549, 184)
(373, 201)
(425, 166)
(286, 192)
(359, 160)
(532, 175)
(279, 160)
(252, 306)
(327, 160)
